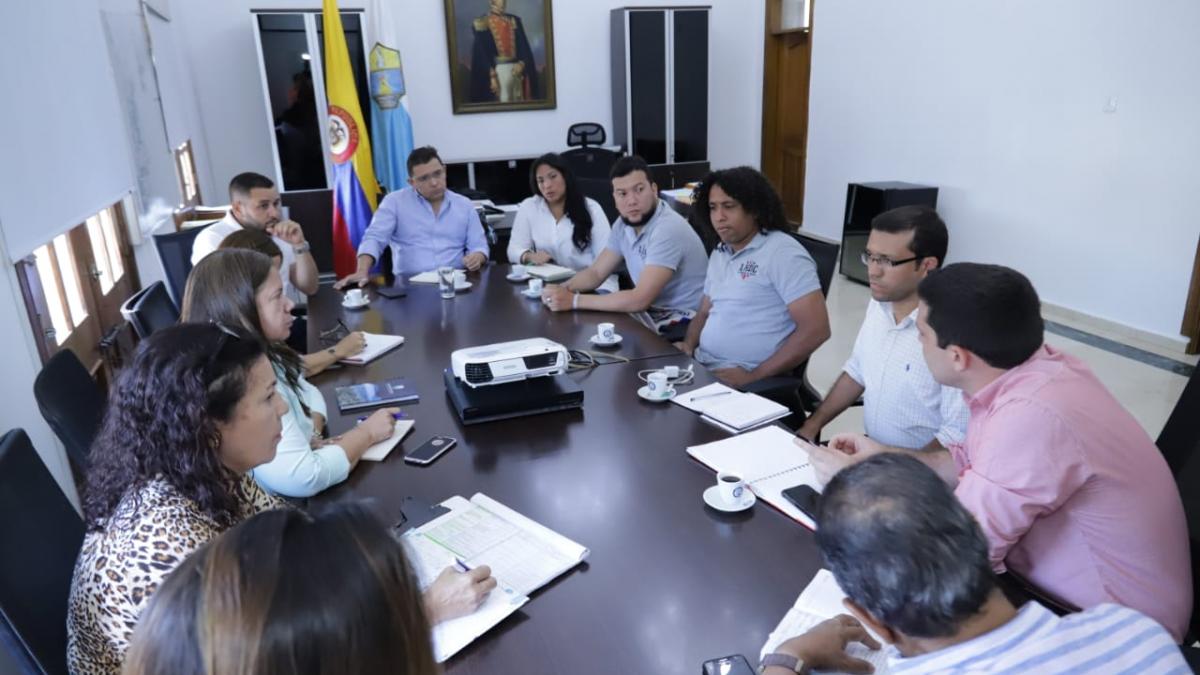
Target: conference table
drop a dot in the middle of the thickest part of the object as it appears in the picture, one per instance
(669, 582)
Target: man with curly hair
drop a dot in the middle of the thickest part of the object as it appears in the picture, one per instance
(763, 312)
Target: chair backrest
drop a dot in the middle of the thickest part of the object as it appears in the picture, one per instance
(1179, 443)
(71, 403)
(175, 254)
(313, 209)
(40, 534)
(824, 253)
(150, 309)
(593, 163)
(599, 189)
(583, 134)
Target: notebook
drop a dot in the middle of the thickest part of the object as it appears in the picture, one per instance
(729, 409)
(373, 394)
(821, 600)
(523, 555)
(550, 272)
(377, 346)
(770, 462)
(380, 451)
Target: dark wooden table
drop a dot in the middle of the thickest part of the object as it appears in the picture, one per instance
(670, 582)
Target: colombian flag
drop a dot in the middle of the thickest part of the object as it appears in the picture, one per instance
(355, 189)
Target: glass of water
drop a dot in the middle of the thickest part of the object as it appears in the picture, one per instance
(445, 277)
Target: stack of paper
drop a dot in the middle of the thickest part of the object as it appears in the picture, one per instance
(821, 600)
(729, 409)
(550, 272)
(377, 346)
(380, 451)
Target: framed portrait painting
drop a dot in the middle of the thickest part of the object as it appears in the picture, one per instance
(501, 55)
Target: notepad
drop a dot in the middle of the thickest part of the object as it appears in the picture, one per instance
(551, 273)
(769, 461)
(730, 409)
(821, 600)
(380, 451)
(377, 346)
(523, 555)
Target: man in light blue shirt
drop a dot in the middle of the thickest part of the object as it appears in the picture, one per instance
(662, 252)
(763, 312)
(426, 225)
(913, 565)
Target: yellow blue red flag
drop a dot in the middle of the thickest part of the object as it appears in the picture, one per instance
(355, 189)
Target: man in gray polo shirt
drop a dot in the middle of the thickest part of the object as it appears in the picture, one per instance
(763, 313)
(662, 252)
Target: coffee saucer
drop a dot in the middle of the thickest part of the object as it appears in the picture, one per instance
(595, 340)
(532, 295)
(712, 497)
(518, 277)
(356, 305)
(645, 394)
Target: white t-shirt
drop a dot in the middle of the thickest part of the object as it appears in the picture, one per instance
(210, 239)
(534, 229)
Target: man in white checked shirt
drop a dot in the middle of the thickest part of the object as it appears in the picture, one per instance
(903, 405)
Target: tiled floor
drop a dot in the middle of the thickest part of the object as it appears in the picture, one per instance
(1146, 391)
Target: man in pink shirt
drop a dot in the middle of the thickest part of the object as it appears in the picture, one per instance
(1071, 493)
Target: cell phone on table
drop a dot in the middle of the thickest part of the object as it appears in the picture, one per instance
(804, 497)
(393, 290)
(430, 450)
(734, 664)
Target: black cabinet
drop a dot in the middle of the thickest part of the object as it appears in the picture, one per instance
(864, 201)
(660, 83)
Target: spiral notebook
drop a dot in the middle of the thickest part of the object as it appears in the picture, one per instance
(770, 462)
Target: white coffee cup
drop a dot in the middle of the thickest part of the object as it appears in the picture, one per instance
(606, 332)
(519, 271)
(354, 296)
(731, 487)
(658, 387)
(535, 285)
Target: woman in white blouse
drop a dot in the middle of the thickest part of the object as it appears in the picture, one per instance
(558, 224)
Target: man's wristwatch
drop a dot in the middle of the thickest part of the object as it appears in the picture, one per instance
(783, 661)
(302, 248)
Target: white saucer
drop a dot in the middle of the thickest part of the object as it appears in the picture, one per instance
(531, 294)
(712, 497)
(646, 396)
(462, 285)
(350, 305)
(521, 277)
(595, 339)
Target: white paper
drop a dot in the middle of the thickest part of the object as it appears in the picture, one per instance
(742, 411)
(377, 345)
(550, 272)
(704, 398)
(380, 451)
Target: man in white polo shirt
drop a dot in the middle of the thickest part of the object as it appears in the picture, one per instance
(763, 312)
(903, 406)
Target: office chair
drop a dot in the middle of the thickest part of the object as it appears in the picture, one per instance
(40, 534)
(149, 310)
(175, 254)
(599, 189)
(586, 160)
(1179, 443)
(71, 403)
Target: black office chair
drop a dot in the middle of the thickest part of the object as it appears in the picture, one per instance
(1179, 443)
(600, 189)
(71, 403)
(586, 160)
(40, 534)
(175, 254)
(149, 310)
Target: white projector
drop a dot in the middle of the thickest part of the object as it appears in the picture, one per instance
(508, 361)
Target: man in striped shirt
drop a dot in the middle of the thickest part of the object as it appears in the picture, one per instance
(914, 566)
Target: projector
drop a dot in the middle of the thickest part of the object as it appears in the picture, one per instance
(508, 361)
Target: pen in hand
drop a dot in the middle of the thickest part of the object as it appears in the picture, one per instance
(395, 416)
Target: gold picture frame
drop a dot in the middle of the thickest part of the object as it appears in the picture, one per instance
(501, 55)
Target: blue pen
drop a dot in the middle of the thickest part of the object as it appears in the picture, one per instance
(462, 565)
(395, 416)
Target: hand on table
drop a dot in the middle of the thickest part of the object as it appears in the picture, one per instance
(474, 261)
(538, 258)
(557, 298)
(454, 594)
(380, 425)
(350, 345)
(842, 451)
(358, 279)
(809, 431)
(735, 377)
(824, 646)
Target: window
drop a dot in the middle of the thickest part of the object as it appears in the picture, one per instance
(292, 50)
(185, 166)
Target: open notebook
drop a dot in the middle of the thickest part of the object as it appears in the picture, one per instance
(730, 409)
(550, 272)
(377, 346)
(821, 600)
(523, 555)
(380, 451)
(768, 460)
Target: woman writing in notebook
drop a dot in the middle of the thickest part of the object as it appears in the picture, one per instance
(241, 288)
(558, 224)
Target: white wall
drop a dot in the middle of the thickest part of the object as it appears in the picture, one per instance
(1000, 103)
(224, 65)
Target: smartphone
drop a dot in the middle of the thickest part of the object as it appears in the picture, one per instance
(395, 290)
(430, 450)
(804, 497)
(734, 664)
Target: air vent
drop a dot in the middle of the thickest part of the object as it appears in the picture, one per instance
(478, 373)
(541, 361)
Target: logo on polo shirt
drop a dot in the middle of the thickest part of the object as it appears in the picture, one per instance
(748, 269)
(641, 249)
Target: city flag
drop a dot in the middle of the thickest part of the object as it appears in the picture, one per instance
(355, 189)
(391, 125)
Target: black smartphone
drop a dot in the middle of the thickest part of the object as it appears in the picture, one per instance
(805, 498)
(430, 450)
(394, 290)
(734, 664)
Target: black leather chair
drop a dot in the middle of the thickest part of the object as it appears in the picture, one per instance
(71, 403)
(585, 160)
(40, 534)
(150, 309)
(175, 254)
(600, 189)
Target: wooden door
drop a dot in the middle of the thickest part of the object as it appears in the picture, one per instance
(787, 68)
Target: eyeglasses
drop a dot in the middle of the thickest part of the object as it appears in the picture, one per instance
(884, 261)
(334, 335)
